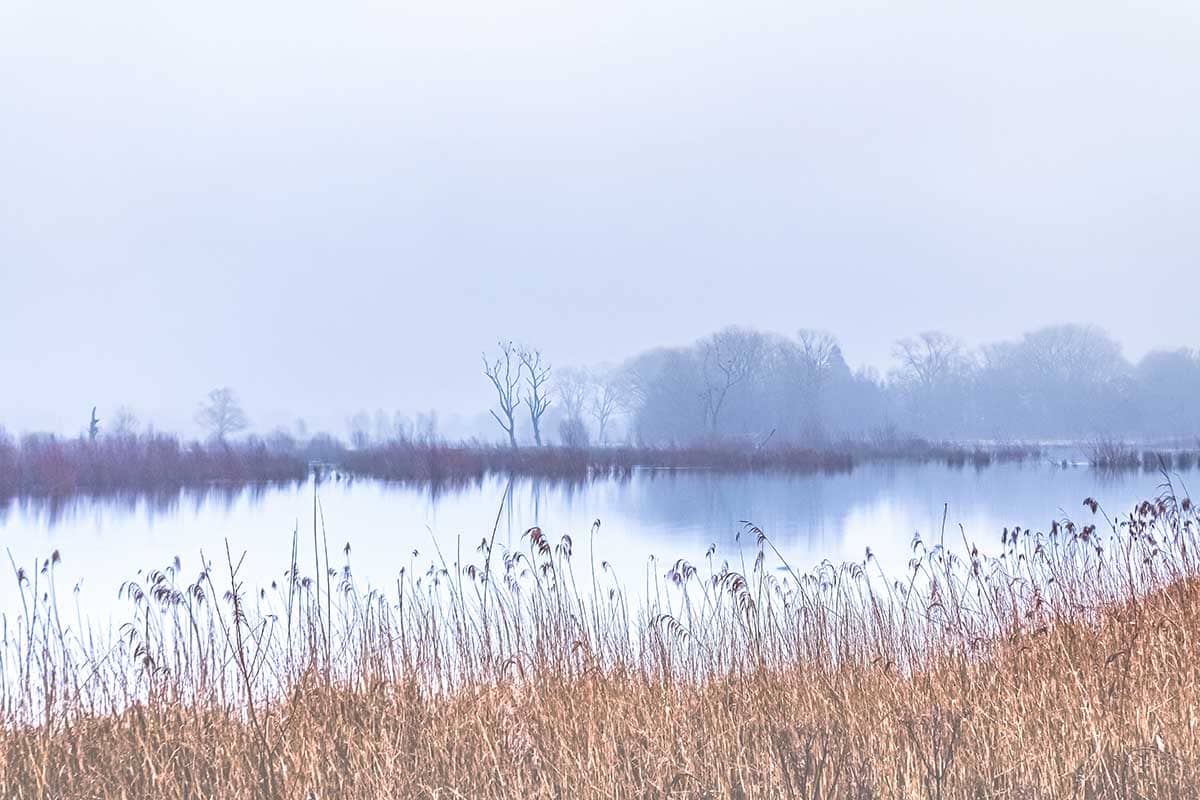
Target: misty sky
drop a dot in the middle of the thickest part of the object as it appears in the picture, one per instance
(333, 206)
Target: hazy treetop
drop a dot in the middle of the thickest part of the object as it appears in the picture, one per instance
(331, 206)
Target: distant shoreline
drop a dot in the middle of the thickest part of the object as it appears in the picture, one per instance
(52, 466)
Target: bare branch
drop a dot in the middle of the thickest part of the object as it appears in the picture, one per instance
(537, 395)
(505, 375)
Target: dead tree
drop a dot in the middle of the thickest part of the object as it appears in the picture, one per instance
(505, 375)
(537, 384)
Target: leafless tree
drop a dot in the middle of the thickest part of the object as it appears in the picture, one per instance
(730, 357)
(505, 374)
(809, 366)
(610, 396)
(573, 387)
(221, 415)
(817, 349)
(930, 359)
(125, 422)
(1071, 353)
(537, 385)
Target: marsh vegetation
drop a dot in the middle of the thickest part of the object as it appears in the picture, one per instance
(1059, 662)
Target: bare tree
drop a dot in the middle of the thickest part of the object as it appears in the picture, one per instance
(125, 422)
(818, 353)
(818, 350)
(816, 356)
(933, 383)
(505, 375)
(730, 357)
(610, 396)
(573, 386)
(537, 385)
(930, 359)
(221, 415)
(1073, 354)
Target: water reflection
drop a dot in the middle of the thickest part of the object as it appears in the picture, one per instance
(667, 514)
(50, 511)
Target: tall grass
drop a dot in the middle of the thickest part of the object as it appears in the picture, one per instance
(1067, 664)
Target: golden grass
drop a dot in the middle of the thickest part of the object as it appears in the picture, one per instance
(1067, 666)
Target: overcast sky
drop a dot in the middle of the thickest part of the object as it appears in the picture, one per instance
(332, 206)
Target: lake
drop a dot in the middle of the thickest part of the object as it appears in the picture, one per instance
(664, 515)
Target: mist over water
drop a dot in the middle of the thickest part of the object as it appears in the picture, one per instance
(647, 522)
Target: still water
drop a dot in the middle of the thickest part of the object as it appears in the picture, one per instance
(647, 521)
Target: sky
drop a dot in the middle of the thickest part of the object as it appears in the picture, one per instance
(337, 206)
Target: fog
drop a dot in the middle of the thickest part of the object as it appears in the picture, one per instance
(1065, 382)
(338, 207)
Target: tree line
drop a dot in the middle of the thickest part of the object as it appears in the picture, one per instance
(749, 387)
(1057, 382)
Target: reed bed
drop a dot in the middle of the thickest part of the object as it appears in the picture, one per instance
(50, 466)
(440, 461)
(44, 464)
(434, 461)
(1065, 664)
(1116, 455)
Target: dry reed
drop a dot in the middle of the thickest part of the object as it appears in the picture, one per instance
(1067, 665)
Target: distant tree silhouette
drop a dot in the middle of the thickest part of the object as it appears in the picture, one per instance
(125, 422)
(221, 415)
(930, 359)
(574, 388)
(610, 395)
(729, 358)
